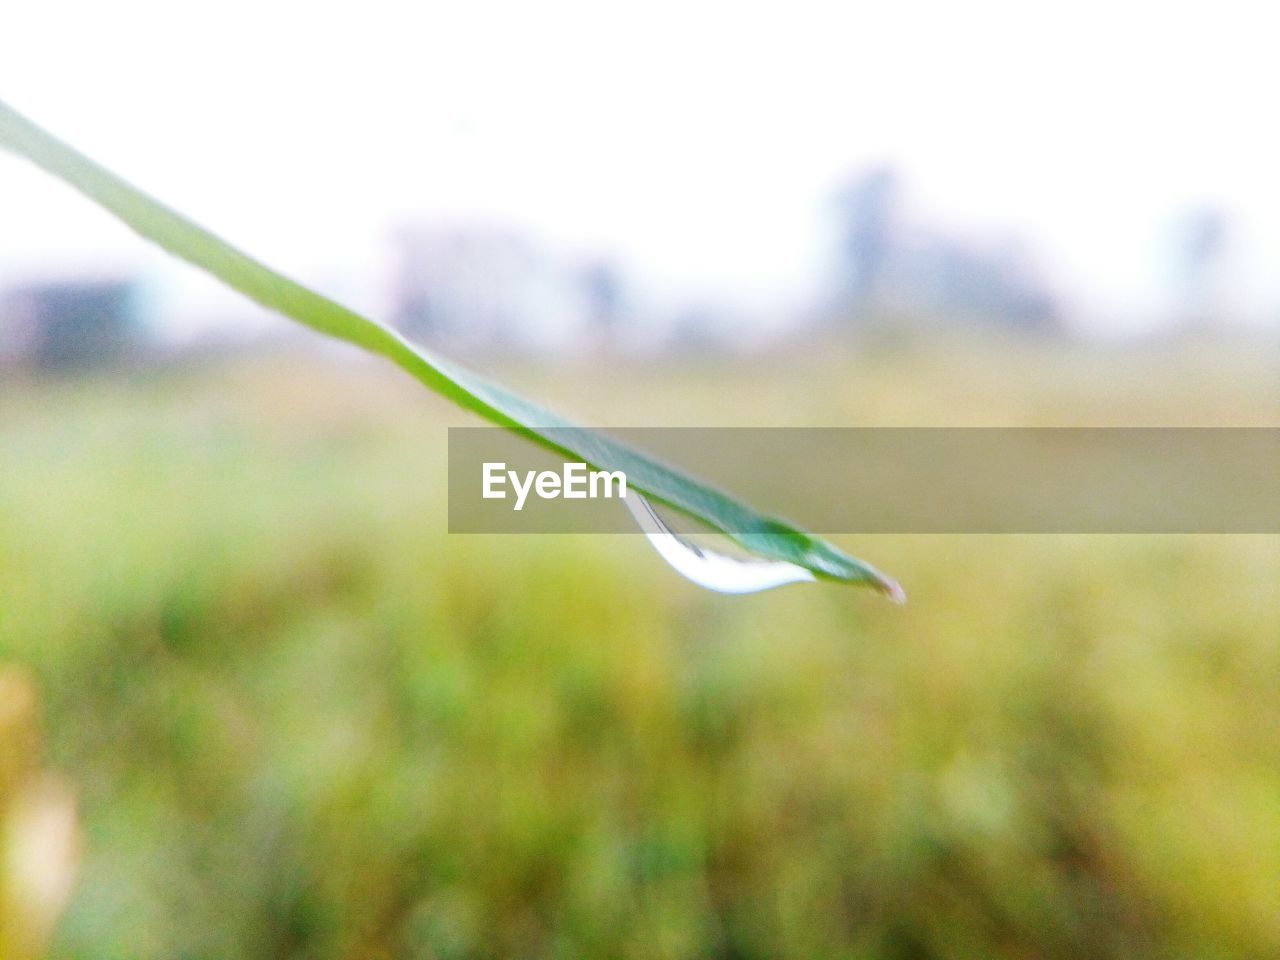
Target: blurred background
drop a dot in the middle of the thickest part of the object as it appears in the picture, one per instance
(285, 714)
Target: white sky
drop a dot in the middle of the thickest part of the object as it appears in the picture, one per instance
(697, 141)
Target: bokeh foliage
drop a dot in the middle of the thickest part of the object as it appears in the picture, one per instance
(299, 725)
(38, 837)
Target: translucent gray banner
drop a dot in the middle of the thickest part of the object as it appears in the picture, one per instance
(900, 480)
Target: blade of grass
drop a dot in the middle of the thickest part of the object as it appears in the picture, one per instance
(764, 536)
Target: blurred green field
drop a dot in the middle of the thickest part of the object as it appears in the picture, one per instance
(300, 726)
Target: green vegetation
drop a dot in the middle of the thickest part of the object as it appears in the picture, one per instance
(303, 721)
(765, 536)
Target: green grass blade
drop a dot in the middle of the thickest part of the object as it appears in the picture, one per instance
(764, 536)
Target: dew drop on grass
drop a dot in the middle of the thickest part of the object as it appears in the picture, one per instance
(715, 571)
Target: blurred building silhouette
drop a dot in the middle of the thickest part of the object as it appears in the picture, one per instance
(69, 324)
(869, 222)
(941, 277)
(1201, 262)
(480, 286)
(602, 289)
(887, 266)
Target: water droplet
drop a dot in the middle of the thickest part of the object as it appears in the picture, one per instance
(715, 571)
